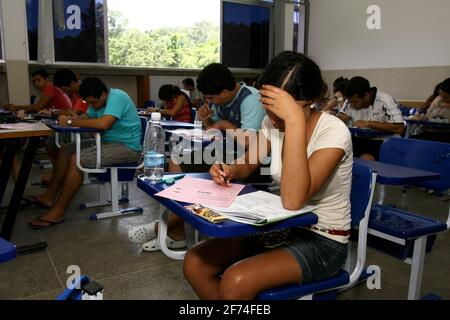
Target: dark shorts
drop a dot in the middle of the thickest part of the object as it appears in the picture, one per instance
(364, 145)
(319, 257)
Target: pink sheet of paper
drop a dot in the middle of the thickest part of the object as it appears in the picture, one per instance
(201, 191)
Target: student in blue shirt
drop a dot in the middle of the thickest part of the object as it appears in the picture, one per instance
(233, 105)
(112, 111)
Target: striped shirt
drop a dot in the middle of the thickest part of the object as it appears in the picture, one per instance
(384, 109)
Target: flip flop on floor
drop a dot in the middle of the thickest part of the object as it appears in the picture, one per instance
(34, 201)
(44, 223)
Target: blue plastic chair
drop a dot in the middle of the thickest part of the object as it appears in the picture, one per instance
(361, 198)
(82, 289)
(149, 104)
(119, 173)
(402, 234)
(7, 251)
(405, 110)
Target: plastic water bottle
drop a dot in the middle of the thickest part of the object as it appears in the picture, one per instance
(197, 122)
(154, 147)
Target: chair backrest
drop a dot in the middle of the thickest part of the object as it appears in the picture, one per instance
(149, 104)
(361, 192)
(144, 125)
(363, 187)
(405, 110)
(420, 154)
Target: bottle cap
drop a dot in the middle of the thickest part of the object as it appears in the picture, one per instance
(156, 116)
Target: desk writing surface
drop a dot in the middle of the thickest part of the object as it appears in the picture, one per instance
(430, 123)
(368, 133)
(173, 125)
(59, 129)
(397, 175)
(25, 130)
(227, 228)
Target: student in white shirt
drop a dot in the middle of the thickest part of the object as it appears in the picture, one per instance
(439, 110)
(440, 107)
(312, 160)
(370, 108)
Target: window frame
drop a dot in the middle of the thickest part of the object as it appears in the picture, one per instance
(306, 7)
(260, 3)
(2, 44)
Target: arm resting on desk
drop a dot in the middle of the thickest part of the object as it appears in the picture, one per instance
(396, 128)
(41, 104)
(104, 123)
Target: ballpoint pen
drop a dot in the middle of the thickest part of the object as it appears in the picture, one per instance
(227, 181)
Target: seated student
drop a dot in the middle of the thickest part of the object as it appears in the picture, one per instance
(233, 106)
(195, 96)
(339, 99)
(370, 108)
(431, 98)
(51, 96)
(68, 82)
(176, 103)
(110, 110)
(439, 109)
(312, 160)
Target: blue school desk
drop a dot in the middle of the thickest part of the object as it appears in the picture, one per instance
(368, 133)
(408, 236)
(225, 229)
(429, 124)
(173, 125)
(389, 174)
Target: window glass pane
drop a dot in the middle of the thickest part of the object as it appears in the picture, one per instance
(32, 22)
(299, 28)
(163, 34)
(245, 35)
(81, 39)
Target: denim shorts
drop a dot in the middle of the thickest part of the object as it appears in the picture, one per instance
(319, 257)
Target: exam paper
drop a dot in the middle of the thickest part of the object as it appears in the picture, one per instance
(202, 191)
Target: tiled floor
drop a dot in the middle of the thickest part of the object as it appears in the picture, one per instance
(102, 251)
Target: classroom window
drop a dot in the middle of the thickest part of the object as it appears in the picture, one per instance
(78, 33)
(245, 34)
(82, 38)
(32, 24)
(164, 34)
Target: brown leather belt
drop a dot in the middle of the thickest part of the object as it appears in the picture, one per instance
(343, 233)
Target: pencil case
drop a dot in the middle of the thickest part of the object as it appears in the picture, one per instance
(206, 213)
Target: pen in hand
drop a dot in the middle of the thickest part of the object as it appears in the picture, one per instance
(227, 181)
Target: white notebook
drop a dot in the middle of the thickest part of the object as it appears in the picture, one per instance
(259, 208)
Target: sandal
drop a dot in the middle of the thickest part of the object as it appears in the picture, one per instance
(143, 233)
(46, 223)
(153, 245)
